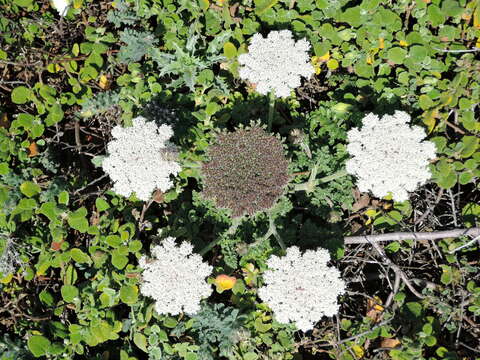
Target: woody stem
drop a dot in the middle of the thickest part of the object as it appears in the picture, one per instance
(271, 109)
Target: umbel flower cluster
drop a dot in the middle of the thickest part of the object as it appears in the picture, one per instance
(247, 171)
(276, 63)
(61, 6)
(301, 288)
(389, 156)
(175, 279)
(141, 159)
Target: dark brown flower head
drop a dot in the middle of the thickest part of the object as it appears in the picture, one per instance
(246, 172)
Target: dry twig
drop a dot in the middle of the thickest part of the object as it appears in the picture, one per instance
(399, 236)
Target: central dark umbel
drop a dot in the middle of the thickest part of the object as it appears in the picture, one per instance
(246, 172)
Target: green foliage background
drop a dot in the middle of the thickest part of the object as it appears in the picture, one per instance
(65, 82)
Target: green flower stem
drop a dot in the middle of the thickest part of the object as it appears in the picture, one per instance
(192, 165)
(272, 230)
(334, 176)
(309, 186)
(271, 109)
(231, 230)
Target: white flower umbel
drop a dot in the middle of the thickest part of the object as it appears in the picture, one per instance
(276, 63)
(388, 155)
(61, 6)
(175, 278)
(301, 288)
(140, 159)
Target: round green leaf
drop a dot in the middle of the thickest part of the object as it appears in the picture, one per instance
(69, 292)
(101, 204)
(396, 55)
(229, 50)
(29, 189)
(38, 345)
(119, 260)
(21, 94)
(129, 294)
(78, 221)
(425, 102)
(470, 146)
(332, 64)
(23, 3)
(79, 256)
(141, 341)
(250, 356)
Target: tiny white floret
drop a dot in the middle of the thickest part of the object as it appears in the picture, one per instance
(301, 288)
(175, 278)
(140, 159)
(389, 155)
(276, 63)
(61, 6)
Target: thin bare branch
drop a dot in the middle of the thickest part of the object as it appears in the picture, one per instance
(399, 236)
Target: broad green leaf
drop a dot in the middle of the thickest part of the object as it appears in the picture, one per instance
(425, 102)
(63, 198)
(79, 256)
(229, 50)
(414, 308)
(77, 220)
(141, 341)
(55, 115)
(435, 15)
(119, 260)
(396, 55)
(101, 204)
(69, 292)
(191, 356)
(129, 294)
(29, 188)
(430, 340)
(38, 345)
(446, 277)
(250, 356)
(364, 70)
(23, 3)
(470, 146)
(332, 64)
(21, 94)
(263, 5)
(46, 297)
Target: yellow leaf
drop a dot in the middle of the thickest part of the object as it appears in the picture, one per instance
(224, 282)
(358, 351)
(381, 43)
(478, 43)
(4, 121)
(369, 60)
(374, 308)
(371, 212)
(403, 43)
(325, 57)
(332, 64)
(476, 18)
(204, 4)
(429, 119)
(6, 279)
(103, 82)
(77, 4)
(317, 67)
